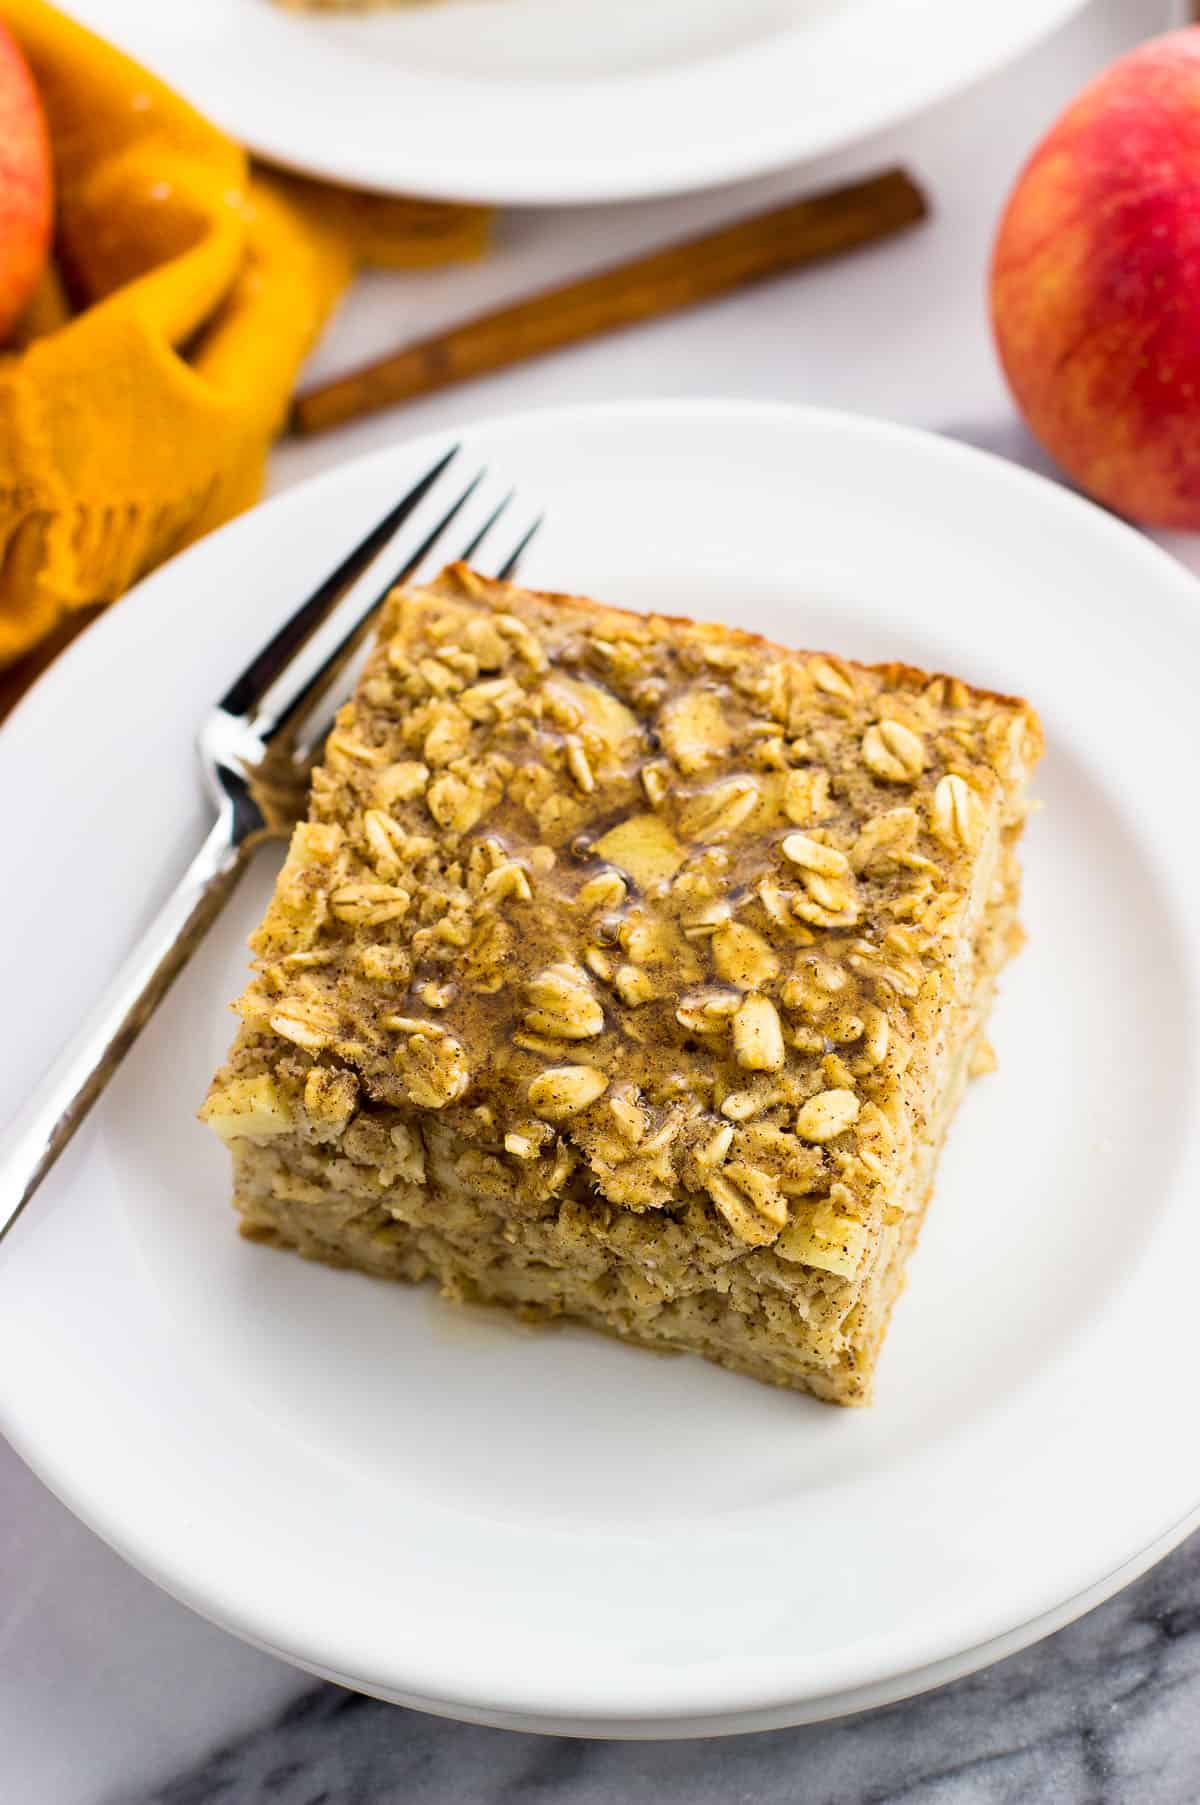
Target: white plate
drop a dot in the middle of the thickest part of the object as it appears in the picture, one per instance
(536, 101)
(552, 1530)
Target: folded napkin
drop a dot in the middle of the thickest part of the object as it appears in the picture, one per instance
(155, 366)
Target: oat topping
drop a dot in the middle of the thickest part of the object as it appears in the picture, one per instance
(893, 752)
(955, 812)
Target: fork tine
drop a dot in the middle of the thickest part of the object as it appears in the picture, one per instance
(308, 749)
(330, 668)
(509, 568)
(468, 551)
(432, 538)
(273, 658)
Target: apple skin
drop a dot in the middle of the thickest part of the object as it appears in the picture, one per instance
(26, 185)
(1095, 286)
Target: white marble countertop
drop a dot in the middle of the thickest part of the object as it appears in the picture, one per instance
(111, 1694)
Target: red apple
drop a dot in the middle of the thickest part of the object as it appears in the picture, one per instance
(1096, 286)
(26, 185)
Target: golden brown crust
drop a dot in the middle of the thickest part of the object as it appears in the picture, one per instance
(893, 672)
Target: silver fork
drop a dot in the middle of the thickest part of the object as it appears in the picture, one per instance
(257, 747)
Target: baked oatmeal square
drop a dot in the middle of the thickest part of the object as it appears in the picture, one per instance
(630, 969)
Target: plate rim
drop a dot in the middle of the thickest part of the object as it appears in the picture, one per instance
(690, 163)
(95, 644)
(888, 1690)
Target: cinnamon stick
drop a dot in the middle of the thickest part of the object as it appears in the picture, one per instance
(785, 238)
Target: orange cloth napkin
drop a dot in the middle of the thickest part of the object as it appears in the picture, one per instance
(137, 415)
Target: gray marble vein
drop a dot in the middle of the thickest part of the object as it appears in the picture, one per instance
(1107, 1712)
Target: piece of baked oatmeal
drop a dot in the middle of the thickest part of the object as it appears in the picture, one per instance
(630, 969)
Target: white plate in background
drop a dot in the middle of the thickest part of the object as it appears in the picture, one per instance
(540, 101)
(549, 1530)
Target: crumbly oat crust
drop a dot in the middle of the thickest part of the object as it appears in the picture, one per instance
(630, 968)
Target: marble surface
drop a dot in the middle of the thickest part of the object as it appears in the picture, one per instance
(111, 1694)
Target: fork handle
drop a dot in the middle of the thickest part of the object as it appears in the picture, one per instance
(43, 1127)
